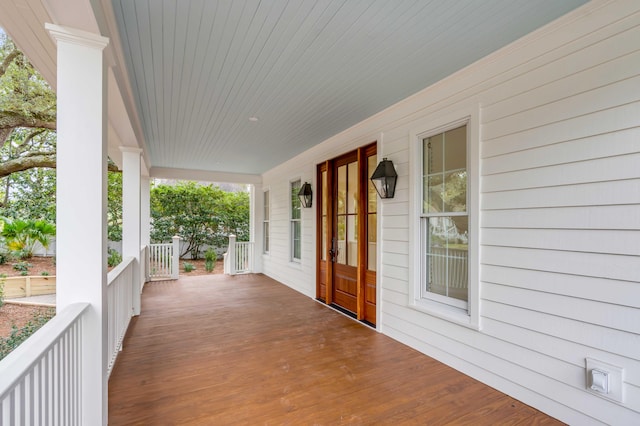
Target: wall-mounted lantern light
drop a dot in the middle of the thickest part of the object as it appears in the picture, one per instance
(384, 178)
(306, 195)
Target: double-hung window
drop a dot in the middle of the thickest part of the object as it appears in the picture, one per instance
(296, 222)
(444, 222)
(265, 223)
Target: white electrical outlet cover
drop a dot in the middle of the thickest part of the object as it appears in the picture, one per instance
(599, 381)
(605, 380)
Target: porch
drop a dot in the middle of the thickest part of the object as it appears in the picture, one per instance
(247, 349)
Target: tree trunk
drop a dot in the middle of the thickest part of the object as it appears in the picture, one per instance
(44, 160)
(24, 163)
(11, 120)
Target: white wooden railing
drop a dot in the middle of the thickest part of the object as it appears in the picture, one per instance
(144, 266)
(244, 257)
(120, 307)
(163, 260)
(160, 260)
(239, 257)
(40, 381)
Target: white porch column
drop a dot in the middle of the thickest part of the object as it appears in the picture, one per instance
(175, 257)
(145, 223)
(231, 255)
(131, 216)
(256, 223)
(81, 242)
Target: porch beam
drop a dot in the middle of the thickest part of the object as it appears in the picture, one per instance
(82, 202)
(204, 175)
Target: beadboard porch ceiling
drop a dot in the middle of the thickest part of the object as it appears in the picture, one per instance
(195, 75)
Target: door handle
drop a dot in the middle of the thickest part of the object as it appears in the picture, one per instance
(333, 251)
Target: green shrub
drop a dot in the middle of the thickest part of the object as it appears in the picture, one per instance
(210, 260)
(4, 257)
(22, 254)
(210, 255)
(188, 267)
(19, 335)
(114, 258)
(209, 265)
(22, 266)
(44, 273)
(22, 235)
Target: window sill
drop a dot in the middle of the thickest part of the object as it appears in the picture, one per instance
(295, 264)
(446, 312)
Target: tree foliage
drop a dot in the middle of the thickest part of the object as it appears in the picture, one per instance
(30, 194)
(27, 99)
(27, 113)
(203, 215)
(27, 138)
(114, 206)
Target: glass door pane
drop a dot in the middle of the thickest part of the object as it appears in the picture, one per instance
(346, 212)
(323, 254)
(372, 221)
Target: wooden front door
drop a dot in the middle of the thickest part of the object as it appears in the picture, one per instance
(347, 233)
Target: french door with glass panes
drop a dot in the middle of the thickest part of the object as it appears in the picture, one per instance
(346, 233)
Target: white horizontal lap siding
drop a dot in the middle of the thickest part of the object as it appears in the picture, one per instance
(560, 228)
(277, 263)
(559, 221)
(394, 223)
(560, 224)
(574, 240)
(482, 354)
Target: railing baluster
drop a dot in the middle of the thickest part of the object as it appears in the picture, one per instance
(242, 257)
(40, 380)
(160, 260)
(120, 307)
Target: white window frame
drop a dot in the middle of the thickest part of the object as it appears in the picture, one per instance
(266, 221)
(454, 310)
(293, 221)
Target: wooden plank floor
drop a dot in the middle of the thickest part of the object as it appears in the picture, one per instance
(249, 350)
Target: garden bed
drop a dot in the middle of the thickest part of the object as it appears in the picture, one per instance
(38, 266)
(47, 264)
(200, 267)
(15, 287)
(18, 315)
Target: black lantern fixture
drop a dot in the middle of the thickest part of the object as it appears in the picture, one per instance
(384, 178)
(305, 195)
